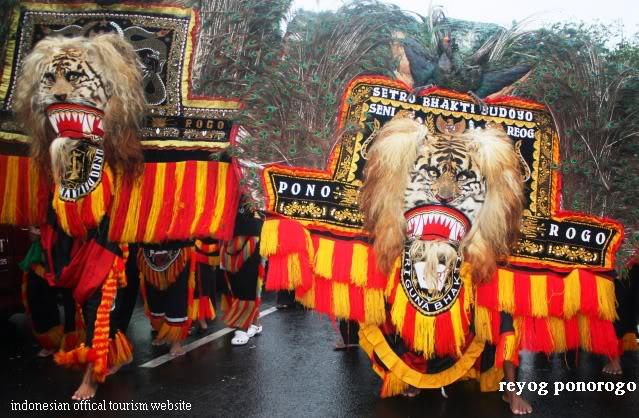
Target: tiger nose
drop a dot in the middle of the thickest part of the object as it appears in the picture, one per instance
(60, 97)
(443, 199)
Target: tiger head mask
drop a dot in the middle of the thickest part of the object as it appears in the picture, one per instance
(443, 197)
(81, 90)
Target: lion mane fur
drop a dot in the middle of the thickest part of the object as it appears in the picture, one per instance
(390, 160)
(115, 61)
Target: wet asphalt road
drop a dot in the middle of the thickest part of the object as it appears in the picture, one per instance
(291, 370)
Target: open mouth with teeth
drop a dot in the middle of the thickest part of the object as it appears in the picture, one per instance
(435, 222)
(75, 121)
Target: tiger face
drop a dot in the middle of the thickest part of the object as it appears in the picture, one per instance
(444, 173)
(69, 77)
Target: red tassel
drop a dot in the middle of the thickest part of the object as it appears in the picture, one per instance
(408, 330)
(603, 338)
(342, 259)
(323, 296)
(376, 279)
(572, 333)
(277, 274)
(589, 300)
(356, 301)
(555, 292)
(522, 294)
(488, 294)
(444, 335)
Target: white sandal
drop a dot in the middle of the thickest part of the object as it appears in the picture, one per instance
(240, 337)
(254, 330)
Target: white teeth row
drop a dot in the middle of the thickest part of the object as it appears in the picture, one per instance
(87, 120)
(416, 225)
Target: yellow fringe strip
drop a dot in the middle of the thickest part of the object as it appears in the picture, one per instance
(269, 237)
(606, 298)
(425, 334)
(200, 194)
(324, 258)
(510, 347)
(506, 289)
(538, 296)
(341, 301)
(171, 333)
(557, 330)
(398, 311)
(359, 265)
(294, 271)
(483, 329)
(572, 294)
(392, 278)
(466, 274)
(220, 199)
(584, 332)
(372, 342)
(629, 342)
(374, 306)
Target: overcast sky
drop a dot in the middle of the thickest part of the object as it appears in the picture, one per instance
(504, 12)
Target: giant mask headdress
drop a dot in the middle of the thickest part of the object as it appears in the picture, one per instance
(82, 96)
(443, 197)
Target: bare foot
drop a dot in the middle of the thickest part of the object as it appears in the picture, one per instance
(203, 324)
(176, 349)
(613, 366)
(88, 387)
(45, 352)
(411, 392)
(518, 405)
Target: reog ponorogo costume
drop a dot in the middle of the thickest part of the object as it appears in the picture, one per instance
(100, 175)
(413, 231)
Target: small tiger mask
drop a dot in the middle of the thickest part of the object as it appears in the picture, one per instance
(465, 186)
(95, 83)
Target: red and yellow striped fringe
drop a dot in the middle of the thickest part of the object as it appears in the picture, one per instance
(551, 313)
(336, 277)
(432, 336)
(24, 194)
(176, 201)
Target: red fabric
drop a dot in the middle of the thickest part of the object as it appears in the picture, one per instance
(146, 198)
(89, 266)
(342, 260)
(119, 213)
(166, 211)
(588, 295)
